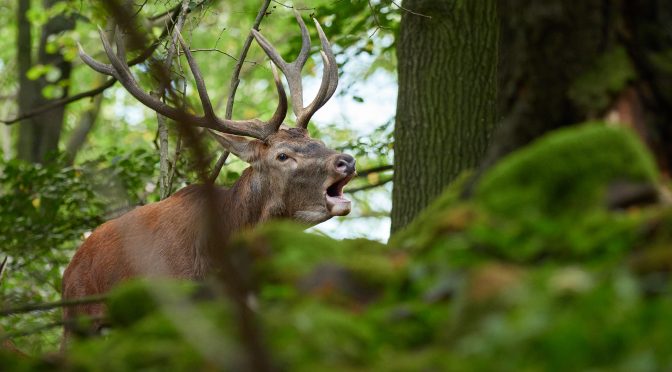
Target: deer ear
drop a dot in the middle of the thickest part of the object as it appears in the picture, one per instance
(244, 148)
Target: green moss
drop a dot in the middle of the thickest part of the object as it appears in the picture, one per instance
(287, 253)
(136, 299)
(565, 172)
(545, 201)
(421, 231)
(594, 90)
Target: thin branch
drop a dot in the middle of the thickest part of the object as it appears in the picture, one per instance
(61, 102)
(410, 11)
(375, 19)
(174, 11)
(368, 187)
(235, 78)
(52, 305)
(12, 335)
(291, 6)
(164, 165)
(378, 169)
(221, 52)
(218, 166)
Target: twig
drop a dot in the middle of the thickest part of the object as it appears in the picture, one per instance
(410, 11)
(165, 186)
(378, 169)
(375, 19)
(291, 6)
(62, 102)
(174, 10)
(218, 166)
(368, 187)
(254, 63)
(44, 327)
(52, 305)
(235, 78)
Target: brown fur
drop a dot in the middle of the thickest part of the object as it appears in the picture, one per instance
(165, 239)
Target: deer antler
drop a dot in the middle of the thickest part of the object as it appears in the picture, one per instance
(120, 70)
(292, 71)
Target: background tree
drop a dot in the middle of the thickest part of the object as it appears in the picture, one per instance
(447, 56)
(563, 63)
(40, 134)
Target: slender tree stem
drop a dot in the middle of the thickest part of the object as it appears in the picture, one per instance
(164, 165)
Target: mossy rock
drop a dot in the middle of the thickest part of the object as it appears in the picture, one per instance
(565, 173)
(285, 254)
(547, 200)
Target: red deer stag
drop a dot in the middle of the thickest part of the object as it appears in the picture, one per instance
(290, 176)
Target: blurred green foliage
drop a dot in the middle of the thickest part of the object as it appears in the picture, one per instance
(44, 212)
(554, 281)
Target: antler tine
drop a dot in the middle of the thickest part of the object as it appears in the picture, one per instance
(121, 72)
(281, 110)
(95, 65)
(119, 69)
(333, 71)
(292, 71)
(121, 46)
(304, 53)
(198, 77)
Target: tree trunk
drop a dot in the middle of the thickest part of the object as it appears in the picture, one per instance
(544, 47)
(564, 62)
(446, 104)
(39, 135)
(27, 87)
(81, 132)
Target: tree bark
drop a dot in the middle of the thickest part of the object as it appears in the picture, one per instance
(27, 87)
(39, 135)
(446, 103)
(549, 49)
(544, 46)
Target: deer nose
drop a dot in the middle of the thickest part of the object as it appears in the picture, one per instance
(345, 164)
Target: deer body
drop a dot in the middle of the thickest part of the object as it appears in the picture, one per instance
(290, 176)
(166, 239)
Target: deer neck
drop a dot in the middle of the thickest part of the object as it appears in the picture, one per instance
(250, 201)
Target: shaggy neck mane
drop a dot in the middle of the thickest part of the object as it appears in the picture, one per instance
(248, 202)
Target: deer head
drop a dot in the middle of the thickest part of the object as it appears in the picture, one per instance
(297, 176)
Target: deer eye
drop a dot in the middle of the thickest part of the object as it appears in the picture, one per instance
(282, 156)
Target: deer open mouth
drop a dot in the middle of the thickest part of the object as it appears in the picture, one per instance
(337, 203)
